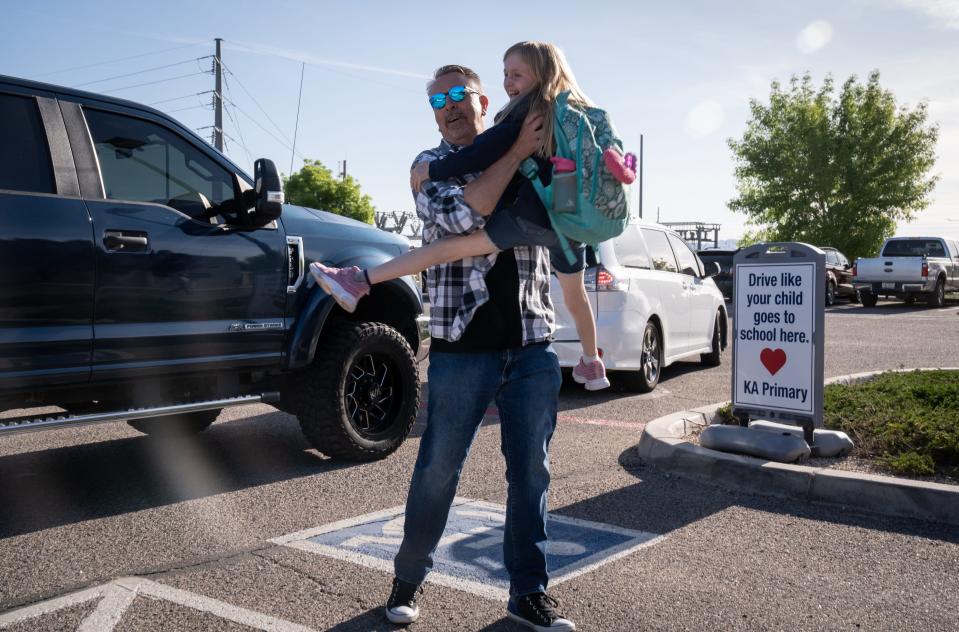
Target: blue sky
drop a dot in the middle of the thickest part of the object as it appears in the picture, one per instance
(680, 75)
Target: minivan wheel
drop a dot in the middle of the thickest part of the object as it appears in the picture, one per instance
(714, 357)
(176, 425)
(651, 362)
(359, 398)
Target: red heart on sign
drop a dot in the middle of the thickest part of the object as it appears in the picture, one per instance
(772, 359)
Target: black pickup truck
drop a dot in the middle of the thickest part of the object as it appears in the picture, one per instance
(144, 277)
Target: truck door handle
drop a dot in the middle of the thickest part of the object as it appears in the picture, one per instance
(125, 241)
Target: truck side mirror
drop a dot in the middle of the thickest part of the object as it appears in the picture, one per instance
(712, 269)
(269, 191)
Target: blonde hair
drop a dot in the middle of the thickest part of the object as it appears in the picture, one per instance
(552, 75)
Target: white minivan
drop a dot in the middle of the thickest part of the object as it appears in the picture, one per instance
(655, 303)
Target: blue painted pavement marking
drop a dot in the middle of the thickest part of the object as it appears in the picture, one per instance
(470, 554)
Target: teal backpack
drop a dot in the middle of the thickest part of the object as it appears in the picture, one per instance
(595, 206)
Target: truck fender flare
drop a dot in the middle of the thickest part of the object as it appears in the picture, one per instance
(318, 305)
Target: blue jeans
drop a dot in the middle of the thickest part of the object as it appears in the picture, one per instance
(525, 384)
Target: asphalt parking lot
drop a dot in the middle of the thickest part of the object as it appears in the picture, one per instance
(245, 527)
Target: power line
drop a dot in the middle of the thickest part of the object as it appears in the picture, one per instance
(240, 143)
(192, 107)
(296, 128)
(150, 83)
(185, 96)
(257, 123)
(114, 61)
(249, 94)
(236, 121)
(140, 72)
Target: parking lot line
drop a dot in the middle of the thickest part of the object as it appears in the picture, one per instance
(118, 595)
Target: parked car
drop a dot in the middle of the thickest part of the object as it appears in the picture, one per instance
(838, 277)
(909, 268)
(655, 303)
(147, 278)
(723, 280)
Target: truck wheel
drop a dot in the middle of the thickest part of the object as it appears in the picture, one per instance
(714, 357)
(869, 299)
(359, 398)
(938, 296)
(171, 425)
(830, 294)
(909, 299)
(651, 362)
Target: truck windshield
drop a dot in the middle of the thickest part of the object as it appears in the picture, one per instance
(914, 248)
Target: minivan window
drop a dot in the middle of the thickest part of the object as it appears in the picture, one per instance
(630, 249)
(660, 254)
(24, 153)
(144, 162)
(687, 260)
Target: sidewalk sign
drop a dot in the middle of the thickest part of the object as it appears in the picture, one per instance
(778, 298)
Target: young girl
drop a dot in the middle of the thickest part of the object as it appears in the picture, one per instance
(534, 74)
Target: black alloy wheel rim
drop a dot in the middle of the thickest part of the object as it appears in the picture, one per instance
(372, 394)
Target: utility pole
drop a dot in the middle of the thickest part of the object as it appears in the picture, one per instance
(218, 99)
(343, 172)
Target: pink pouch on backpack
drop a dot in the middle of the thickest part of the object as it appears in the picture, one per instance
(622, 167)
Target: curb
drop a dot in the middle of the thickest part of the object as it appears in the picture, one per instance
(662, 445)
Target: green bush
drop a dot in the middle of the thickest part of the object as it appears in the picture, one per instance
(909, 421)
(911, 464)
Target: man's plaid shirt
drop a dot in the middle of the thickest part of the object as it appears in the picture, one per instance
(457, 289)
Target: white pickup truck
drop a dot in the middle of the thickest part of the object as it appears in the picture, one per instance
(908, 267)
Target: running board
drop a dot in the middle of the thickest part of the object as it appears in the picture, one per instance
(29, 423)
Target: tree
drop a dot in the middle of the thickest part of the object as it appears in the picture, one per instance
(315, 186)
(837, 172)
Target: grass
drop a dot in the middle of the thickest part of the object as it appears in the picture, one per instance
(908, 422)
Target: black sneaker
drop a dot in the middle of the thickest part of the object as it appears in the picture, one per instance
(538, 611)
(401, 606)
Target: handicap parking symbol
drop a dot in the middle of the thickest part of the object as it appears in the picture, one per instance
(470, 553)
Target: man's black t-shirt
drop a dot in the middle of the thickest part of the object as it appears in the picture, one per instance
(497, 324)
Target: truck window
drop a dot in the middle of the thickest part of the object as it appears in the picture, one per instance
(24, 154)
(143, 162)
(914, 248)
(660, 253)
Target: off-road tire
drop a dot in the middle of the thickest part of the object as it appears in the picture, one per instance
(938, 296)
(331, 416)
(651, 364)
(714, 357)
(869, 299)
(176, 425)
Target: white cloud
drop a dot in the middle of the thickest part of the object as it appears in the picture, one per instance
(945, 13)
(816, 35)
(705, 118)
